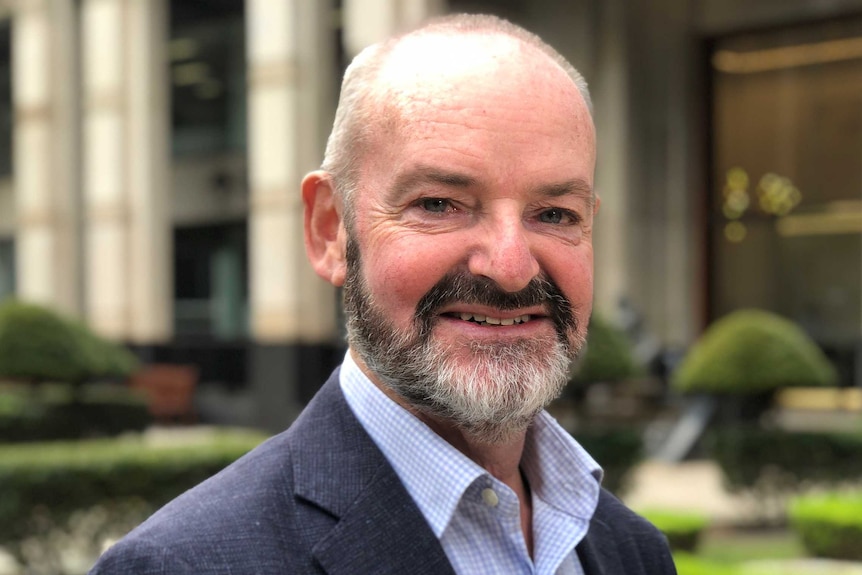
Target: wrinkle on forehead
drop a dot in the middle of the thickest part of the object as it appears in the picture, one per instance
(461, 75)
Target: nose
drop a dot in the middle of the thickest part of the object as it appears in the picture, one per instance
(504, 254)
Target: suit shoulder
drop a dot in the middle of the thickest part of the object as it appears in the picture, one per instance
(247, 509)
(631, 536)
(140, 557)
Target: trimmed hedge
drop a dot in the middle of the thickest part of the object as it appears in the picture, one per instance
(56, 411)
(682, 529)
(64, 476)
(772, 465)
(829, 524)
(750, 352)
(749, 455)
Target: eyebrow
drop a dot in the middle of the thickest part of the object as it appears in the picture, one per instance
(428, 175)
(576, 187)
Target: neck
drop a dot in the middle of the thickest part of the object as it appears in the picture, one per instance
(501, 458)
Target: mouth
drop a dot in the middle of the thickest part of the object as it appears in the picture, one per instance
(487, 320)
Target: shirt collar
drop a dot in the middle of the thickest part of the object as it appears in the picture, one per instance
(560, 471)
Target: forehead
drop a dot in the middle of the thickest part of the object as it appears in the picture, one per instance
(485, 96)
(447, 69)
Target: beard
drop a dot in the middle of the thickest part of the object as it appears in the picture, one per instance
(503, 386)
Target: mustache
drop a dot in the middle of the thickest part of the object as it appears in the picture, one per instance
(463, 287)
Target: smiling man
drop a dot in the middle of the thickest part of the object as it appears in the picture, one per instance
(455, 206)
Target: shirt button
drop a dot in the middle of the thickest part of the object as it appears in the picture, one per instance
(490, 497)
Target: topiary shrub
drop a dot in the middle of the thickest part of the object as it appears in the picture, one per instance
(682, 529)
(829, 524)
(607, 358)
(104, 358)
(608, 354)
(43, 349)
(37, 345)
(752, 351)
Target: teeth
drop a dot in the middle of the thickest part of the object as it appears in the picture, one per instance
(479, 318)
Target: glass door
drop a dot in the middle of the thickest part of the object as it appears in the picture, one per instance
(786, 201)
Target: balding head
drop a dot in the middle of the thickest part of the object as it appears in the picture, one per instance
(382, 81)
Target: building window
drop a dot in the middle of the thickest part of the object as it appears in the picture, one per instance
(207, 68)
(210, 271)
(7, 268)
(5, 98)
(786, 213)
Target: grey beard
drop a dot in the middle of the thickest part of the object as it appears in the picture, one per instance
(491, 398)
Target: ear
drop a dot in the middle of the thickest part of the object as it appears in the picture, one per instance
(597, 203)
(325, 236)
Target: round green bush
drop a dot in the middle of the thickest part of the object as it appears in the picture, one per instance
(37, 344)
(829, 524)
(752, 352)
(682, 529)
(608, 354)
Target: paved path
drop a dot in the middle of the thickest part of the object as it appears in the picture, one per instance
(686, 486)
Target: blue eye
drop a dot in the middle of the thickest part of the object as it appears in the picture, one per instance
(435, 205)
(552, 216)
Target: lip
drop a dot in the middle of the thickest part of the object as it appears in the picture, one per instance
(535, 312)
(457, 330)
(520, 323)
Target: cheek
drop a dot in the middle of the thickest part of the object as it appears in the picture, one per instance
(400, 273)
(575, 278)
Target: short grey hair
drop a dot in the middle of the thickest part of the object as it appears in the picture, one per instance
(356, 110)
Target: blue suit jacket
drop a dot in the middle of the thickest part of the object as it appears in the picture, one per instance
(321, 498)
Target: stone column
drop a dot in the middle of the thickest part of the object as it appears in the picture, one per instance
(44, 73)
(291, 74)
(127, 147)
(610, 94)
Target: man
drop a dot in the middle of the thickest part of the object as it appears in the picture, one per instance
(455, 207)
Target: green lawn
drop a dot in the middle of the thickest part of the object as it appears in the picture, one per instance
(736, 545)
(755, 552)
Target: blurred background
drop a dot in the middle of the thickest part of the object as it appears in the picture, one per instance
(151, 153)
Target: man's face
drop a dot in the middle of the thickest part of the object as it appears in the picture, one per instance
(470, 255)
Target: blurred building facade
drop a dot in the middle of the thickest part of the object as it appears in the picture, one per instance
(151, 153)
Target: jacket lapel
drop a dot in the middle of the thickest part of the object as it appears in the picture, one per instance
(382, 532)
(591, 555)
(339, 469)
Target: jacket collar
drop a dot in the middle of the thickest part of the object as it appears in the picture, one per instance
(379, 529)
